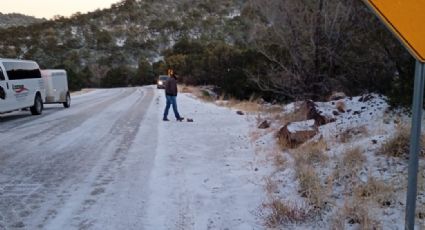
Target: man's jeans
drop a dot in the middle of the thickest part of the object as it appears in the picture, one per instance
(171, 100)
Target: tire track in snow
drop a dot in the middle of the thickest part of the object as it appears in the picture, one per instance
(54, 127)
(9, 122)
(120, 139)
(60, 171)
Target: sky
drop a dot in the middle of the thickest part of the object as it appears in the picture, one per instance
(49, 8)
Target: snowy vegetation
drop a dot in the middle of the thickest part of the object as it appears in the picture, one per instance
(10, 20)
(277, 50)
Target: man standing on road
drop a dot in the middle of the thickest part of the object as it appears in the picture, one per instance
(171, 96)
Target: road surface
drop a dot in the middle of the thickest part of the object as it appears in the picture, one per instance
(55, 166)
(109, 162)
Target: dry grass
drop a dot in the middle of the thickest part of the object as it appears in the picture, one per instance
(284, 213)
(273, 109)
(279, 161)
(251, 105)
(340, 106)
(271, 186)
(354, 212)
(299, 114)
(348, 134)
(198, 92)
(354, 159)
(255, 135)
(348, 168)
(398, 145)
(311, 153)
(375, 190)
(310, 186)
(186, 89)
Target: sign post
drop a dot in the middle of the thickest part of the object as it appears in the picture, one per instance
(405, 18)
(415, 135)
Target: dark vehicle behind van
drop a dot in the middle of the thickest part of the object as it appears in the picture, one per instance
(161, 81)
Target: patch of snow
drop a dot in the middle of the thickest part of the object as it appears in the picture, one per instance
(74, 30)
(120, 42)
(367, 126)
(234, 13)
(301, 126)
(205, 174)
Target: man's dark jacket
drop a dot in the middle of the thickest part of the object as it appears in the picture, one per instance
(171, 87)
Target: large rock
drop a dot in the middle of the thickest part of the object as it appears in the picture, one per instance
(337, 96)
(311, 112)
(295, 133)
(366, 98)
(264, 125)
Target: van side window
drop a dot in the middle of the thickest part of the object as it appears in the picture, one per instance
(22, 70)
(2, 78)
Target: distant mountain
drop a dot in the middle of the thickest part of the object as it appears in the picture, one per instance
(10, 20)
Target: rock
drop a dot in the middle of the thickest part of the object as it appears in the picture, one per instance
(386, 203)
(366, 98)
(349, 110)
(337, 96)
(374, 142)
(264, 125)
(340, 106)
(357, 113)
(189, 120)
(335, 113)
(313, 114)
(240, 112)
(363, 108)
(295, 133)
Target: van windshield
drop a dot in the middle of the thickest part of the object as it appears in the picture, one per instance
(163, 78)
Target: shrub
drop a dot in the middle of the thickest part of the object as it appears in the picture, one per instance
(399, 144)
(310, 186)
(311, 152)
(356, 212)
(285, 213)
(350, 133)
(376, 190)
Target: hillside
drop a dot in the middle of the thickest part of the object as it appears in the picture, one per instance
(10, 20)
(123, 35)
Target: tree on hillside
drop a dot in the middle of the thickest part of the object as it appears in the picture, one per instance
(145, 74)
(315, 47)
(118, 77)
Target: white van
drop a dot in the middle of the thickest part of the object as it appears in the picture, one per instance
(56, 85)
(21, 86)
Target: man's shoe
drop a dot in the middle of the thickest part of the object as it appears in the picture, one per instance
(180, 119)
(165, 119)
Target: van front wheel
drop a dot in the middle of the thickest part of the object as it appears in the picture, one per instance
(37, 108)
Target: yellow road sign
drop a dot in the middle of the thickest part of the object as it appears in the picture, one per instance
(405, 18)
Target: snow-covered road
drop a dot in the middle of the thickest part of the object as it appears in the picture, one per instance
(109, 162)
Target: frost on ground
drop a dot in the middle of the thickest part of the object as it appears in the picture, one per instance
(352, 174)
(205, 174)
(110, 162)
